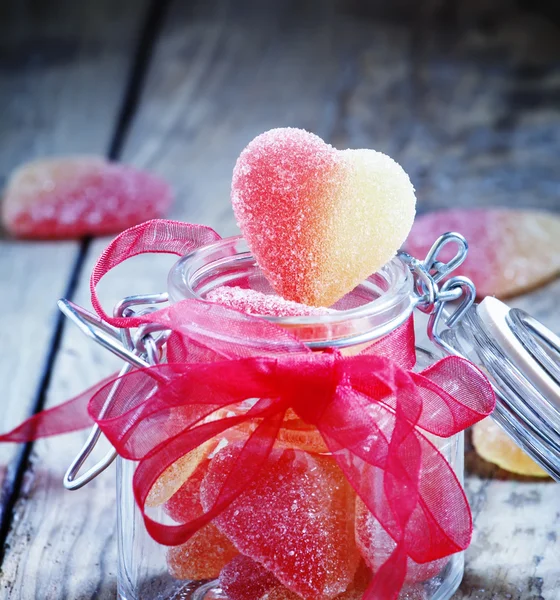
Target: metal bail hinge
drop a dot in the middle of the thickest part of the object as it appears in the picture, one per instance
(432, 298)
(142, 349)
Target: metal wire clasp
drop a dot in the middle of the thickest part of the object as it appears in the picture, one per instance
(433, 298)
(141, 349)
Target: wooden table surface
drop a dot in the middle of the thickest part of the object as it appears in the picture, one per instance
(464, 94)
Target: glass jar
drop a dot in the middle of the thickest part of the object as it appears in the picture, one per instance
(149, 571)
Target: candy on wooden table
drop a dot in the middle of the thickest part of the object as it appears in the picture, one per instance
(495, 446)
(76, 196)
(510, 251)
(296, 519)
(254, 302)
(319, 220)
(376, 546)
(205, 554)
(245, 579)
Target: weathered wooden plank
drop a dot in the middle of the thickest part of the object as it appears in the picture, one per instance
(481, 124)
(514, 553)
(63, 74)
(224, 72)
(27, 322)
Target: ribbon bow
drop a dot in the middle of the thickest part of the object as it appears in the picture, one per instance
(373, 413)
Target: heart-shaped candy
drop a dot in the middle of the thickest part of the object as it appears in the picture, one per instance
(319, 220)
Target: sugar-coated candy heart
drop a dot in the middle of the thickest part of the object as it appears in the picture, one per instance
(245, 579)
(254, 302)
(494, 445)
(319, 220)
(510, 251)
(75, 196)
(296, 519)
(175, 475)
(376, 546)
(205, 554)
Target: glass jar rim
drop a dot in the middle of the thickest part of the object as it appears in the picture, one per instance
(389, 310)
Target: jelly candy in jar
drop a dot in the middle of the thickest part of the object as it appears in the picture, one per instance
(319, 220)
(174, 476)
(294, 431)
(204, 555)
(280, 593)
(297, 433)
(376, 546)
(249, 580)
(296, 519)
(245, 579)
(254, 302)
(75, 196)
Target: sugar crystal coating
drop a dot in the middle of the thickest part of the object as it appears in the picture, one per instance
(362, 579)
(258, 303)
(296, 519)
(280, 593)
(202, 557)
(245, 579)
(354, 592)
(185, 504)
(319, 220)
(376, 546)
(510, 251)
(297, 433)
(75, 196)
(205, 554)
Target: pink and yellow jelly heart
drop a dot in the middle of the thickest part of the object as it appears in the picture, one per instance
(319, 220)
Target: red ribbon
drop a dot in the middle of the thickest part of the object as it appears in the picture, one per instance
(371, 411)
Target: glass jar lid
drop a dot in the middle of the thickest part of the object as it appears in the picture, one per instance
(522, 359)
